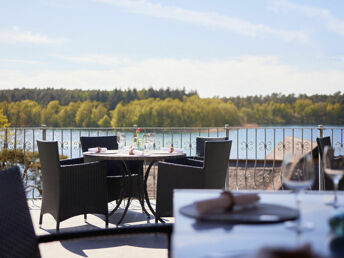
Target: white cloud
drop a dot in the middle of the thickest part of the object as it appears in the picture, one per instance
(96, 59)
(247, 75)
(333, 23)
(207, 19)
(17, 35)
(18, 61)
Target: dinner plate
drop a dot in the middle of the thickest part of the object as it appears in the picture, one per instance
(259, 213)
(159, 152)
(111, 152)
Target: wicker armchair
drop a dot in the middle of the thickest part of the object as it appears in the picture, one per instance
(322, 142)
(17, 235)
(71, 189)
(210, 174)
(200, 144)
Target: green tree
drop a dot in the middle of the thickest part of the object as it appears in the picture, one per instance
(3, 120)
(66, 116)
(105, 121)
(50, 114)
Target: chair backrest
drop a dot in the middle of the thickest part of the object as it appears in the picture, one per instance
(216, 163)
(50, 167)
(322, 142)
(17, 236)
(109, 142)
(200, 143)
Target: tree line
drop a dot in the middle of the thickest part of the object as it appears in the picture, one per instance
(185, 112)
(109, 98)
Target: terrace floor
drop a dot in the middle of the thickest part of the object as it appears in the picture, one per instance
(151, 246)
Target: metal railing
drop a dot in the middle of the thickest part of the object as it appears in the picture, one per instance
(255, 159)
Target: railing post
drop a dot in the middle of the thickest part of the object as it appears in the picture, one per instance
(227, 175)
(321, 171)
(44, 132)
(227, 130)
(6, 144)
(6, 139)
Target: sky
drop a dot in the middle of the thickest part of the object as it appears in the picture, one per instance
(222, 48)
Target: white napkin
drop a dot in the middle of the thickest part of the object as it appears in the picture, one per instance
(96, 150)
(138, 153)
(178, 150)
(223, 202)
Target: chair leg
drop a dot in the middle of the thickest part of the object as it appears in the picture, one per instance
(40, 219)
(85, 217)
(58, 226)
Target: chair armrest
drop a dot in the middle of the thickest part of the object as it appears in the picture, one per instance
(166, 228)
(173, 173)
(196, 157)
(83, 172)
(194, 162)
(72, 161)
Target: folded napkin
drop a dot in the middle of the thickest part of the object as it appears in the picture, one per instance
(226, 201)
(97, 149)
(136, 152)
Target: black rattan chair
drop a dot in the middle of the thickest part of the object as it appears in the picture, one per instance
(210, 174)
(71, 188)
(17, 235)
(322, 142)
(200, 144)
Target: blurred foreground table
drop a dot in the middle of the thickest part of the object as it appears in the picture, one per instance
(192, 238)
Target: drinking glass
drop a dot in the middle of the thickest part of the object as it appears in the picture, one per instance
(121, 140)
(298, 175)
(334, 168)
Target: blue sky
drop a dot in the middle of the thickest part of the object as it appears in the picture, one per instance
(218, 47)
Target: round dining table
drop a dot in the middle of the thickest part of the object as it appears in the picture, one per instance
(151, 157)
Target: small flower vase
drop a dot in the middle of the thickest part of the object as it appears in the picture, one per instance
(138, 138)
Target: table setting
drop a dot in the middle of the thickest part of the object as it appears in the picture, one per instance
(292, 221)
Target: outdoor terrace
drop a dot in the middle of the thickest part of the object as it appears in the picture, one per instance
(152, 245)
(255, 160)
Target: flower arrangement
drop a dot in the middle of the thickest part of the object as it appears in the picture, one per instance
(138, 137)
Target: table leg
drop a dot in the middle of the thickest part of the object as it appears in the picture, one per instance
(146, 192)
(126, 180)
(126, 186)
(142, 194)
(123, 187)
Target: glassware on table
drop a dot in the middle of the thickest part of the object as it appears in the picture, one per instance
(148, 141)
(121, 140)
(334, 168)
(298, 175)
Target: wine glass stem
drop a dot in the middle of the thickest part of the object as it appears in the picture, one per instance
(335, 200)
(298, 207)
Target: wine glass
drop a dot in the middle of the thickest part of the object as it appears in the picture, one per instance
(121, 140)
(298, 174)
(334, 168)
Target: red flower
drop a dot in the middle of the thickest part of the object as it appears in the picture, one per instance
(138, 130)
